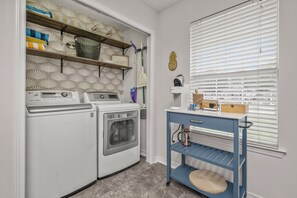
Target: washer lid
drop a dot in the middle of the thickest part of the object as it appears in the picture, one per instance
(59, 108)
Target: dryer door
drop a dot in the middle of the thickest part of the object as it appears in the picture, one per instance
(120, 131)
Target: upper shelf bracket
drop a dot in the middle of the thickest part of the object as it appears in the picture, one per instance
(125, 50)
(103, 40)
(101, 67)
(124, 73)
(62, 32)
(62, 64)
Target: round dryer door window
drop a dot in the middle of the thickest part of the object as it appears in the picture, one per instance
(120, 132)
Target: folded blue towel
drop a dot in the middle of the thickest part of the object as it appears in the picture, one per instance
(36, 34)
(39, 11)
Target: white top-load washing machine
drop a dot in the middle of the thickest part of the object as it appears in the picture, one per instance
(118, 132)
(61, 144)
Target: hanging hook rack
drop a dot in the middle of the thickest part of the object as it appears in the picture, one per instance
(144, 49)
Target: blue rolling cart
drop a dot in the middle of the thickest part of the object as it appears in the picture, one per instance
(234, 161)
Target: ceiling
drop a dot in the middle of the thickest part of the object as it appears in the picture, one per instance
(160, 5)
(92, 13)
(97, 15)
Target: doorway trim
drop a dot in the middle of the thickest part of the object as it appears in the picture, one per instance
(19, 98)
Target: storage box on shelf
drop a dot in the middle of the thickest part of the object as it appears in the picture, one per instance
(234, 108)
(121, 60)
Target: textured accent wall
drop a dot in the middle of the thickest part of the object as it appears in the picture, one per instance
(44, 73)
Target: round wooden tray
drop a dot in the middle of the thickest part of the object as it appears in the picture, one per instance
(208, 181)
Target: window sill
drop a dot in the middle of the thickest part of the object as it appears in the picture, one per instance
(277, 152)
(225, 143)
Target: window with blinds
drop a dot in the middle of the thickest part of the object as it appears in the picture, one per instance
(234, 59)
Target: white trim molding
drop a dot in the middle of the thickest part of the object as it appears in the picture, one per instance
(19, 97)
(162, 160)
(278, 153)
(142, 152)
(252, 195)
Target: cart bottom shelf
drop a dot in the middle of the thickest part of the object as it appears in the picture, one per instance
(181, 174)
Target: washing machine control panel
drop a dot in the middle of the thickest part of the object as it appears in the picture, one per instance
(104, 97)
(43, 98)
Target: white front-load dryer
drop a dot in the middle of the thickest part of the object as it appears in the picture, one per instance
(118, 130)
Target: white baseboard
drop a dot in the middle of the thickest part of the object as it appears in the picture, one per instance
(142, 152)
(162, 160)
(252, 195)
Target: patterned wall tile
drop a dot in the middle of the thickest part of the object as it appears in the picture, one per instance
(36, 74)
(44, 73)
(48, 67)
(48, 83)
(59, 77)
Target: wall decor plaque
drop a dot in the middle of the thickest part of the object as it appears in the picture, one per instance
(172, 61)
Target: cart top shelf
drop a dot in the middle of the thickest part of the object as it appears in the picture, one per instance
(218, 114)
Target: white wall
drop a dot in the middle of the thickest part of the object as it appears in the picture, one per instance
(132, 9)
(8, 77)
(268, 177)
(130, 78)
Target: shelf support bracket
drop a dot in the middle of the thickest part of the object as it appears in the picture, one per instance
(124, 73)
(62, 32)
(100, 70)
(125, 50)
(62, 64)
(103, 40)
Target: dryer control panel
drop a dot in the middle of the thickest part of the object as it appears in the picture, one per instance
(47, 98)
(102, 97)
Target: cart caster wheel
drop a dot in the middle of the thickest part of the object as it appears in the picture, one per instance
(168, 183)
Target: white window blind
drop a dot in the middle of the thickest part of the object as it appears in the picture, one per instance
(234, 59)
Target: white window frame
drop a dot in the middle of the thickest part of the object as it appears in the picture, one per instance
(255, 146)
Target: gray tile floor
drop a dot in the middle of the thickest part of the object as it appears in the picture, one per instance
(140, 181)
